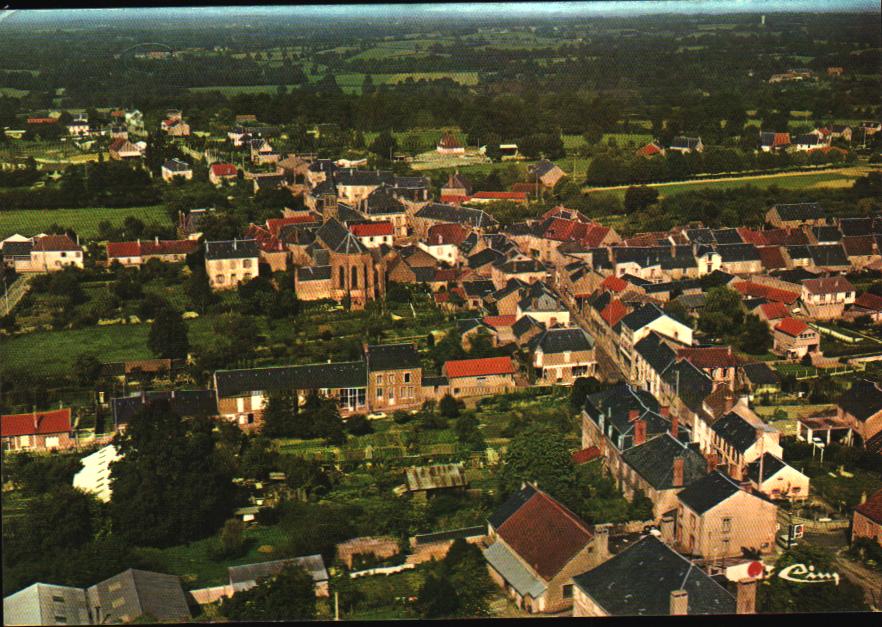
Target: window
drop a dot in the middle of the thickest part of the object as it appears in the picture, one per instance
(379, 392)
(727, 525)
(480, 379)
(355, 277)
(57, 599)
(219, 279)
(568, 591)
(407, 377)
(246, 263)
(61, 619)
(251, 419)
(379, 379)
(342, 276)
(63, 255)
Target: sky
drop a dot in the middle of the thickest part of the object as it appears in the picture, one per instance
(479, 10)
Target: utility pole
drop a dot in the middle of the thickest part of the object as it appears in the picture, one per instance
(336, 605)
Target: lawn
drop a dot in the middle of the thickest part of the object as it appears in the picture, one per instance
(83, 220)
(233, 90)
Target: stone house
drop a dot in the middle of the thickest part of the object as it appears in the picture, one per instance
(867, 519)
(394, 376)
(794, 339)
(480, 377)
(37, 431)
(229, 263)
(536, 547)
(560, 356)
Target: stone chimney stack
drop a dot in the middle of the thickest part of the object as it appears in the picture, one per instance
(735, 472)
(639, 432)
(675, 426)
(711, 462)
(601, 542)
(679, 602)
(745, 600)
(678, 472)
(633, 415)
(665, 411)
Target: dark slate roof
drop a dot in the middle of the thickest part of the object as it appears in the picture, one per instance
(694, 385)
(863, 400)
(382, 202)
(827, 233)
(519, 266)
(796, 275)
(314, 273)
(801, 211)
(511, 505)
(654, 461)
(639, 318)
(542, 168)
(183, 403)
(460, 215)
(727, 236)
(176, 165)
(600, 258)
(707, 493)
(702, 236)
(617, 402)
(562, 340)
(339, 239)
(488, 255)
(246, 573)
(323, 165)
(829, 255)
(655, 352)
(230, 383)
(351, 176)
(738, 252)
(478, 288)
(392, 357)
(798, 252)
(324, 187)
(435, 381)
(716, 279)
(760, 374)
(735, 430)
(17, 249)
(771, 465)
(856, 226)
(232, 249)
(523, 325)
(640, 579)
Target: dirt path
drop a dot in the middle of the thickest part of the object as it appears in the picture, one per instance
(869, 580)
(853, 171)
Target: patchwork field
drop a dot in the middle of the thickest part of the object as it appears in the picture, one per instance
(83, 220)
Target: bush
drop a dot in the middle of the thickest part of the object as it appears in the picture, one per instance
(358, 424)
(449, 407)
(401, 417)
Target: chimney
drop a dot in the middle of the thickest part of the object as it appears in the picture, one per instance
(157, 240)
(601, 542)
(678, 472)
(639, 432)
(679, 602)
(666, 527)
(633, 415)
(735, 472)
(675, 425)
(36, 420)
(745, 601)
(665, 411)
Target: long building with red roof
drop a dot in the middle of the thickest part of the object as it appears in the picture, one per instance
(37, 431)
(136, 252)
(478, 377)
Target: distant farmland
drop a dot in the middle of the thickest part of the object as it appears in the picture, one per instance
(82, 220)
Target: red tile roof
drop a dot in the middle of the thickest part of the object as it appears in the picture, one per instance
(446, 274)
(772, 257)
(781, 139)
(275, 225)
(586, 455)
(151, 247)
(868, 300)
(439, 234)
(39, 423)
(872, 509)
(757, 290)
(449, 140)
(774, 311)
(709, 356)
(55, 243)
(371, 229)
(614, 284)
(453, 198)
(792, 326)
(500, 195)
(589, 234)
(479, 367)
(751, 237)
(223, 169)
(527, 188)
(649, 150)
(545, 534)
(500, 321)
(614, 312)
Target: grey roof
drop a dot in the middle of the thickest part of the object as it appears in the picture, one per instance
(639, 318)
(542, 168)
(796, 275)
(736, 431)
(338, 238)
(392, 357)
(708, 492)
(640, 579)
(519, 266)
(562, 340)
(183, 403)
(351, 176)
(231, 249)
(142, 592)
(692, 301)
(314, 273)
(615, 405)
(381, 202)
(434, 381)
(771, 466)
(727, 236)
(176, 165)
(798, 251)
(856, 226)
(694, 384)
(351, 374)
(513, 571)
(523, 325)
(863, 400)
(685, 142)
(435, 477)
(654, 461)
(44, 604)
(246, 576)
(460, 215)
(738, 252)
(484, 257)
(17, 249)
(656, 352)
(826, 234)
(479, 288)
(760, 374)
(800, 211)
(829, 255)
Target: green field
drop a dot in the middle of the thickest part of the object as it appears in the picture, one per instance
(11, 92)
(784, 181)
(84, 221)
(233, 90)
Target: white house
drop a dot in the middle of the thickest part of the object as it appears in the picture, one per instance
(95, 474)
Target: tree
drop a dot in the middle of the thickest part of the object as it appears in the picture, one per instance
(384, 145)
(639, 198)
(582, 388)
(168, 487)
(279, 415)
(539, 454)
(755, 337)
(168, 335)
(458, 586)
(288, 596)
(198, 290)
(449, 406)
(676, 310)
(437, 598)
(88, 369)
(723, 312)
(231, 541)
(358, 424)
